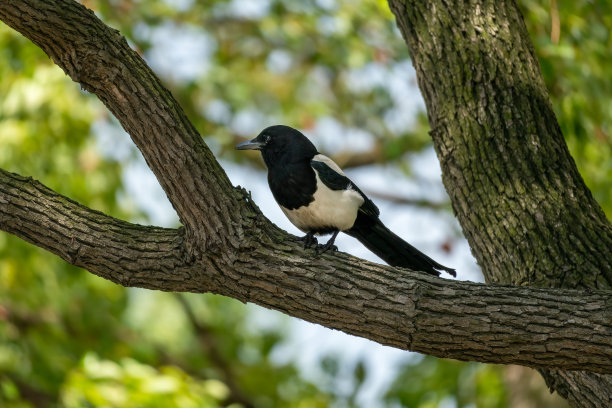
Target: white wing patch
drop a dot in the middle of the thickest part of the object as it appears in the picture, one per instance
(331, 209)
(332, 164)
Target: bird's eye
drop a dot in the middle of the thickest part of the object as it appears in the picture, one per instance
(267, 139)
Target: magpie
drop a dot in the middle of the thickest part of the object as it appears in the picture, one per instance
(319, 199)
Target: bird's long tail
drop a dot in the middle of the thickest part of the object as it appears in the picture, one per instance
(392, 249)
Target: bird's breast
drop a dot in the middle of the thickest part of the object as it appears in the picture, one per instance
(328, 211)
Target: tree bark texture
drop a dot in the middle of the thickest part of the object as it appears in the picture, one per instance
(227, 247)
(525, 210)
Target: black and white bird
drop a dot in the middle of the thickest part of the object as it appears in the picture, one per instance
(319, 199)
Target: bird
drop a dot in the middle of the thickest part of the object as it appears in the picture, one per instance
(319, 199)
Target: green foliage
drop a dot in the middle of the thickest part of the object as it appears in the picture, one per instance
(432, 381)
(132, 384)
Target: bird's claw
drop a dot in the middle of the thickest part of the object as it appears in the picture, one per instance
(321, 249)
(309, 240)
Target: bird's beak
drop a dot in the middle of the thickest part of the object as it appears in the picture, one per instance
(250, 145)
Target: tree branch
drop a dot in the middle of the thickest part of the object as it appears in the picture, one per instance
(417, 202)
(230, 249)
(404, 309)
(124, 253)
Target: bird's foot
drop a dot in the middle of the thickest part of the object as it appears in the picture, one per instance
(322, 248)
(329, 246)
(309, 240)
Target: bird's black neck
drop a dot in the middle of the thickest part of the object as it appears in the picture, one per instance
(292, 184)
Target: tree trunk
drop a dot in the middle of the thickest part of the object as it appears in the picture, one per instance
(525, 210)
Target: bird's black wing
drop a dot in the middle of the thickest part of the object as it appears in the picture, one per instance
(370, 231)
(336, 181)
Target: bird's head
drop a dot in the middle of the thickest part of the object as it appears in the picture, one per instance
(281, 144)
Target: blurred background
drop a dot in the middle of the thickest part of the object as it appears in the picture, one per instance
(339, 71)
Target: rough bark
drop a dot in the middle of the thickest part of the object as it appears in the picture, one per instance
(525, 210)
(229, 248)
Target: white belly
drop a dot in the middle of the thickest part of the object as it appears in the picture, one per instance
(331, 210)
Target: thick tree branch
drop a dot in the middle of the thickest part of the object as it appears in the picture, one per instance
(117, 250)
(230, 249)
(462, 320)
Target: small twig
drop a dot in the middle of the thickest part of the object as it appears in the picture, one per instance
(555, 30)
(408, 201)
